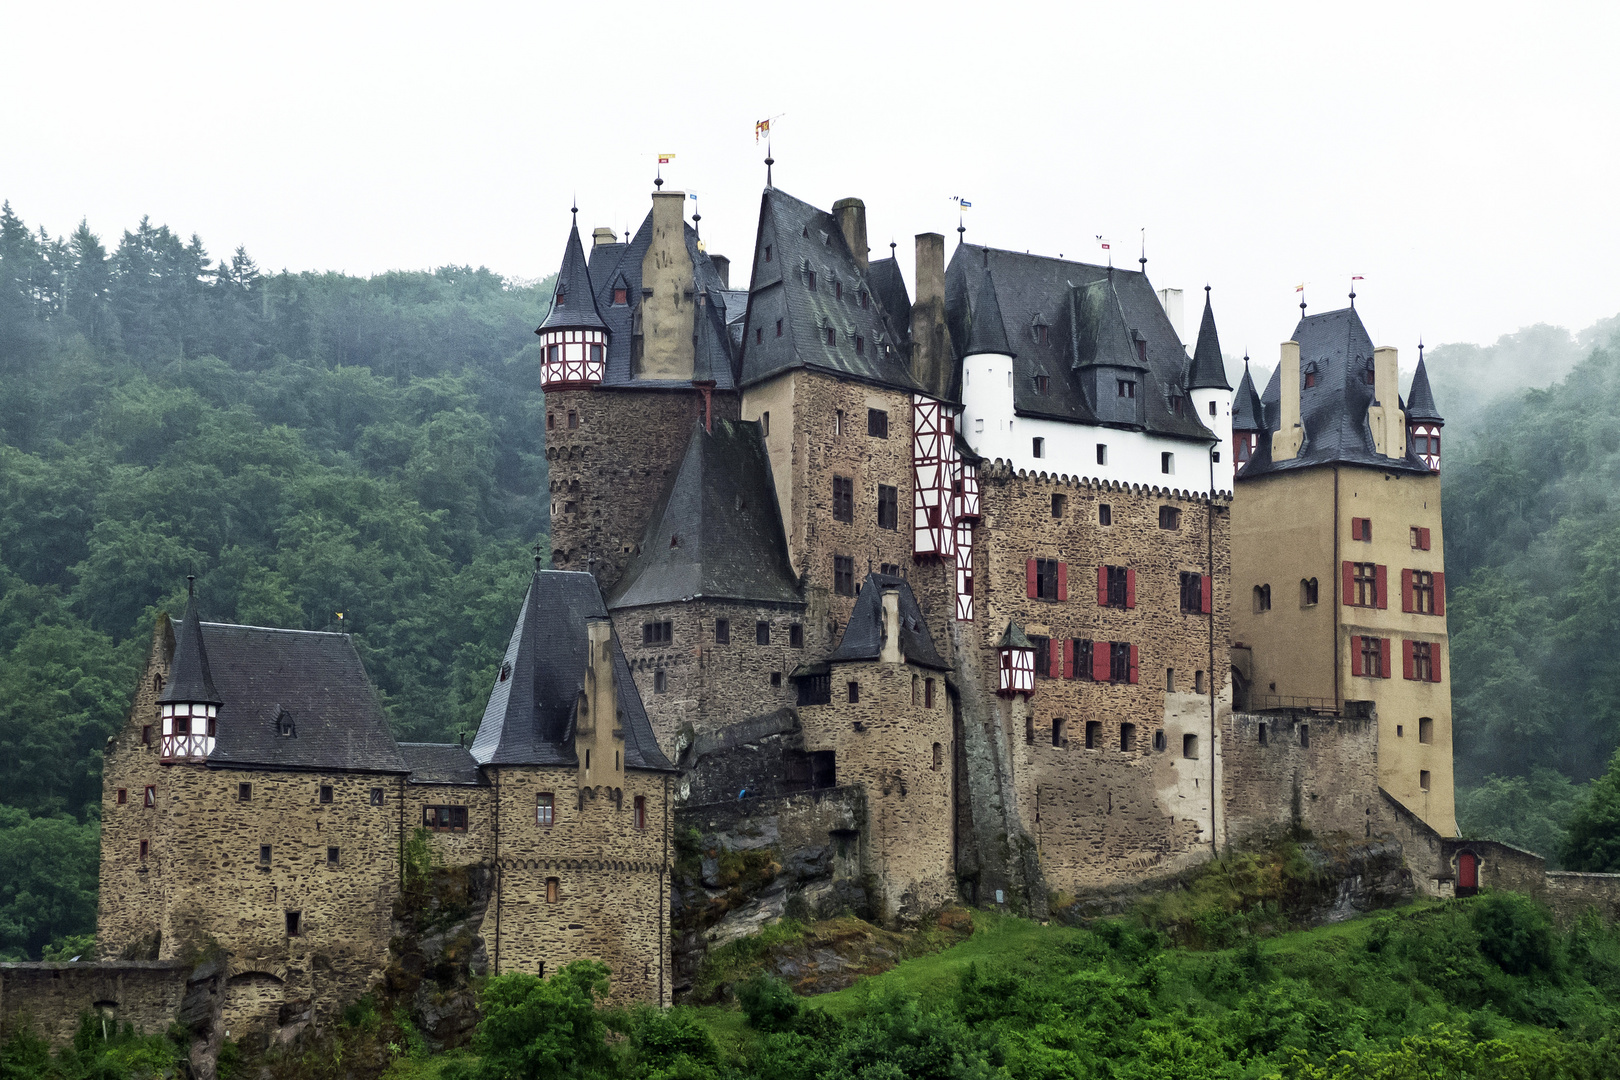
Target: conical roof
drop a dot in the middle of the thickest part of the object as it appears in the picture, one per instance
(189, 677)
(1247, 412)
(1014, 638)
(573, 301)
(1420, 399)
(1208, 370)
(988, 332)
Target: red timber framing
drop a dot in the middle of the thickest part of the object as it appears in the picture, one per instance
(945, 497)
(572, 358)
(1017, 672)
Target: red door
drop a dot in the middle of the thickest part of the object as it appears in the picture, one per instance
(1467, 871)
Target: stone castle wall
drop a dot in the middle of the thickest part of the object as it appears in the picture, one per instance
(470, 848)
(49, 998)
(1317, 772)
(608, 473)
(612, 879)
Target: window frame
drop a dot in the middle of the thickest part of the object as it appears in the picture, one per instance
(844, 575)
(545, 809)
(843, 498)
(888, 508)
(877, 423)
(454, 816)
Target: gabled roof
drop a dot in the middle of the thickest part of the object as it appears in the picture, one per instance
(1208, 368)
(573, 300)
(313, 684)
(1248, 414)
(189, 676)
(1335, 347)
(803, 240)
(1420, 399)
(1091, 315)
(716, 532)
(889, 287)
(530, 718)
(863, 635)
(442, 763)
(987, 332)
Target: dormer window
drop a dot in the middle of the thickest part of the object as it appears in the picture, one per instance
(1372, 374)
(284, 724)
(838, 290)
(767, 253)
(1039, 331)
(621, 297)
(1141, 349)
(1310, 376)
(860, 345)
(1127, 388)
(866, 300)
(810, 279)
(1043, 383)
(832, 335)
(562, 294)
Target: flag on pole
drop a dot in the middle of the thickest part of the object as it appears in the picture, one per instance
(1357, 277)
(665, 158)
(1299, 288)
(959, 201)
(691, 194)
(762, 130)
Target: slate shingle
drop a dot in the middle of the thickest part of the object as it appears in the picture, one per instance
(863, 635)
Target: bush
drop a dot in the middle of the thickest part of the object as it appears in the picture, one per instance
(1515, 932)
(768, 1003)
(536, 1029)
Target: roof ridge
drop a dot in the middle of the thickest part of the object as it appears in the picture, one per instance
(278, 629)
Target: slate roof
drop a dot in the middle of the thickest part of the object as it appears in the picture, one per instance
(716, 531)
(442, 763)
(618, 266)
(1420, 399)
(573, 300)
(313, 680)
(530, 716)
(1248, 413)
(1337, 347)
(1091, 315)
(1014, 638)
(803, 240)
(863, 635)
(889, 286)
(1208, 368)
(189, 676)
(987, 332)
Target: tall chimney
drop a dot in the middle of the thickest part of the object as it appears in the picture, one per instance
(930, 353)
(1387, 421)
(602, 236)
(851, 215)
(722, 266)
(667, 284)
(891, 653)
(598, 734)
(1290, 434)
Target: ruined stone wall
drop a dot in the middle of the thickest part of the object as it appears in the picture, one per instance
(612, 879)
(470, 848)
(744, 760)
(899, 748)
(219, 890)
(1318, 772)
(49, 998)
(608, 473)
(131, 892)
(1123, 808)
(1569, 894)
(708, 685)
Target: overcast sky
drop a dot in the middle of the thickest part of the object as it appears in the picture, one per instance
(1462, 157)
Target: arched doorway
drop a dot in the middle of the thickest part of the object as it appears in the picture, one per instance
(1467, 874)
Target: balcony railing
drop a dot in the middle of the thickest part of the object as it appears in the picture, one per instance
(1287, 702)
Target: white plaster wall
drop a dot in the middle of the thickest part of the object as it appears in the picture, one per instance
(994, 431)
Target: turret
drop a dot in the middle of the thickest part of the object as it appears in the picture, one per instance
(1017, 655)
(573, 339)
(189, 704)
(1248, 419)
(1423, 419)
(987, 384)
(1206, 379)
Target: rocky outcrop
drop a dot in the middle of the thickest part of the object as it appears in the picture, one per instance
(436, 953)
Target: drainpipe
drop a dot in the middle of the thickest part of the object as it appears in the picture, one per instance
(1209, 537)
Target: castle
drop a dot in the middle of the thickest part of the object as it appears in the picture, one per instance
(992, 589)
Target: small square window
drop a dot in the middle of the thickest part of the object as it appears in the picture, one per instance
(1127, 388)
(776, 678)
(722, 631)
(376, 796)
(1060, 503)
(264, 854)
(796, 636)
(1425, 729)
(877, 423)
(331, 856)
(660, 682)
(854, 692)
(123, 796)
(326, 793)
(146, 734)
(573, 420)
(244, 792)
(545, 809)
(1189, 746)
(1038, 447)
(294, 921)
(762, 633)
(1169, 517)
(1167, 463)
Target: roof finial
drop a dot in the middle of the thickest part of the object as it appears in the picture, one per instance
(1420, 348)
(892, 247)
(1143, 259)
(769, 161)
(1301, 290)
(537, 549)
(961, 229)
(574, 209)
(695, 219)
(191, 579)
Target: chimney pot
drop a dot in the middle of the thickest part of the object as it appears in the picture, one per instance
(604, 236)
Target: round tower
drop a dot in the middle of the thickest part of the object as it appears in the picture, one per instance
(1423, 420)
(987, 378)
(1207, 386)
(573, 339)
(189, 704)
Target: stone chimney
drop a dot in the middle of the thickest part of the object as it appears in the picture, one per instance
(930, 348)
(599, 730)
(891, 652)
(667, 278)
(1384, 416)
(851, 215)
(1290, 434)
(604, 235)
(722, 266)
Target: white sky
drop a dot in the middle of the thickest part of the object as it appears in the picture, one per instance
(1463, 157)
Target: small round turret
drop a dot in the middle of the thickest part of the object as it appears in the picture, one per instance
(573, 339)
(189, 704)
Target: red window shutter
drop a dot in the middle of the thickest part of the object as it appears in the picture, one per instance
(1355, 528)
(1423, 538)
(1355, 655)
(1406, 590)
(1440, 594)
(1054, 661)
(1207, 608)
(1383, 657)
(1406, 659)
(1063, 581)
(1068, 658)
(1102, 586)
(1434, 662)
(1130, 588)
(1133, 664)
(1029, 579)
(1383, 585)
(1349, 583)
(1099, 661)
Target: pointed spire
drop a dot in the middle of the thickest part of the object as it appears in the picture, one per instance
(988, 332)
(961, 230)
(573, 302)
(1420, 399)
(769, 161)
(1247, 412)
(1208, 369)
(189, 677)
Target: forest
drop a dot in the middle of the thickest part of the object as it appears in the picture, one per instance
(325, 451)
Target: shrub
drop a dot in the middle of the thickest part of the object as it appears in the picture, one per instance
(1515, 932)
(768, 1003)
